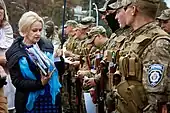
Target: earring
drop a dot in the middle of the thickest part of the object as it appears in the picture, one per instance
(132, 14)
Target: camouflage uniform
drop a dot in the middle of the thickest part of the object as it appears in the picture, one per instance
(143, 62)
(68, 89)
(87, 23)
(70, 38)
(91, 34)
(82, 50)
(74, 45)
(165, 15)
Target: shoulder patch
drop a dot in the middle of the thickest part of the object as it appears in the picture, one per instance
(155, 74)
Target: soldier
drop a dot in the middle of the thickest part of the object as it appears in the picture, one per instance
(79, 36)
(99, 39)
(68, 89)
(108, 15)
(73, 44)
(143, 61)
(164, 20)
(68, 28)
(89, 21)
(69, 32)
(119, 36)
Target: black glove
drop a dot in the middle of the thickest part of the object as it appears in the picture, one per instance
(2, 81)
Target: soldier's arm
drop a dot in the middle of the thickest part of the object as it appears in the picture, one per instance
(156, 74)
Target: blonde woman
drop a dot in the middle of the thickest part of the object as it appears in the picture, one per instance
(32, 70)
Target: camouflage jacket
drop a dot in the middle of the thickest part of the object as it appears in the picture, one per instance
(144, 62)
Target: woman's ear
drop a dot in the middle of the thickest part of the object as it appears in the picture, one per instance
(23, 34)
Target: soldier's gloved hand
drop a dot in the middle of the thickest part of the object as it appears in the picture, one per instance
(2, 81)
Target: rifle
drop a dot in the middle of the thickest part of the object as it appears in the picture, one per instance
(163, 107)
(86, 52)
(81, 60)
(110, 57)
(101, 88)
(97, 61)
(100, 68)
(79, 83)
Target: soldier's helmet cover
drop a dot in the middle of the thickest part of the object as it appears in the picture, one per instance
(72, 23)
(165, 15)
(106, 6)
(87, 20)
(116, 5)
(125, 3)
(103, 9)
(94, 31)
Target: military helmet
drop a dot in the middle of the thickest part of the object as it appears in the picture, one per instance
(165, 15)
(81, 26)
(103, 9)
(116, 5)
(106, 6)
(87, 20)
(72, 23)
(125, 3)
(94, 31)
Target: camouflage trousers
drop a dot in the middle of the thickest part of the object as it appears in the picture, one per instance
(69, 97)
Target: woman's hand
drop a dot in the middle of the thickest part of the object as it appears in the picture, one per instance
(45, 79)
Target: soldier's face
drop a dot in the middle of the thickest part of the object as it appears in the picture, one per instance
(103, 17)
(120, 17)
(97, 40)
(68, 29)
(77, 33)
(165, 25)
(129, 15)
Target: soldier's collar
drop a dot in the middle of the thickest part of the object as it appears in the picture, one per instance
(144, 28)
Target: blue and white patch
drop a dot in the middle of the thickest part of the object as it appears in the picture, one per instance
(155, 74)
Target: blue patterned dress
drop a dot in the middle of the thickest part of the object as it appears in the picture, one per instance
(43, 103)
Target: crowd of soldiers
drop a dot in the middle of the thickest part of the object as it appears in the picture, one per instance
(127, 72)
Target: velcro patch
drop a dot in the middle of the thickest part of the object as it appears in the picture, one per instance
(155, 74)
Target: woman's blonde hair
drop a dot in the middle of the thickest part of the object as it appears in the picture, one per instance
(26, 20)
